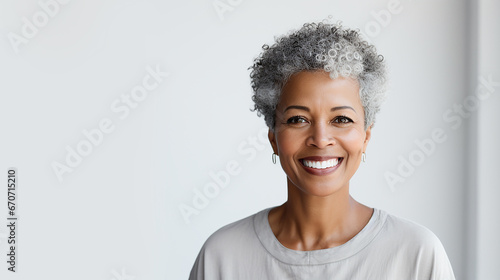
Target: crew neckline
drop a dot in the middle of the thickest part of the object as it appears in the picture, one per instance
(321, 256)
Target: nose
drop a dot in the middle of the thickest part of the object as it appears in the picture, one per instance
(321, 136)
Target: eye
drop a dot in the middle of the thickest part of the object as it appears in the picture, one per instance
(296, 119)
(342, 120)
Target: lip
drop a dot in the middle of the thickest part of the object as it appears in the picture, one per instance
(320, 172)
(319, 158)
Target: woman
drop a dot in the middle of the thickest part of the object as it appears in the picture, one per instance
(319, 89)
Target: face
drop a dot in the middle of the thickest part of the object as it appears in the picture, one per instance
(319, 134)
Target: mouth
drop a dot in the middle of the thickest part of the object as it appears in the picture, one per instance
(321, 165)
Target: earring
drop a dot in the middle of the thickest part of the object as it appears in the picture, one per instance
(363, 157)
(274, 158)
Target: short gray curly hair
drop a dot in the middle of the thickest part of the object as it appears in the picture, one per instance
(318, 46)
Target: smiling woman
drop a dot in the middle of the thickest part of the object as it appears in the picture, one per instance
(319, 134)
(319, 89)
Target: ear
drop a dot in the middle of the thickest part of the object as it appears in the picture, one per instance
(272, 140)
(368, 135)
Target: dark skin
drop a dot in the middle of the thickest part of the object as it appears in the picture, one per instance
(319, 120)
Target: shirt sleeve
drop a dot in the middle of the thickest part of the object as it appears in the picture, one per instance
(208, 263)
(197, 271)
(432, 261)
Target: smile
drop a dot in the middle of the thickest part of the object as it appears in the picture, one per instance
(321, 165)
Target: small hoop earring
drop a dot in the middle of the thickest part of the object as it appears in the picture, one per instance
(363, 157)
(274, 158)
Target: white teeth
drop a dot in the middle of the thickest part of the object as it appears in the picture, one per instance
(321, 164)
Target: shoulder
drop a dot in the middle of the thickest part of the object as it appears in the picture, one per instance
(229, 244)
(421, 247)
(411, 231)
(402, 236)
(231, 234)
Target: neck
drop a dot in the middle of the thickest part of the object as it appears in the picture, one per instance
(308, 222)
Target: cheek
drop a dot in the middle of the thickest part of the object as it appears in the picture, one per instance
(285, 146)
(289, 143)
(353, 140)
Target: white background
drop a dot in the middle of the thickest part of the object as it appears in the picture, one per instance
(116, 214)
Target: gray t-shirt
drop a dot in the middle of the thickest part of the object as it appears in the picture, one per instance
(388, 247)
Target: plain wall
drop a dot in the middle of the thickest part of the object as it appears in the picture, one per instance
(487, 138)
(117, 211)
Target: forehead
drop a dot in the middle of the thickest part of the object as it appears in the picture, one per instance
(318, 89)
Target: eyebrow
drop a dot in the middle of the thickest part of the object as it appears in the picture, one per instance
(304, 108)
(342, 107)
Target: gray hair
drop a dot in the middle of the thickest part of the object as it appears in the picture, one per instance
(318, 46)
